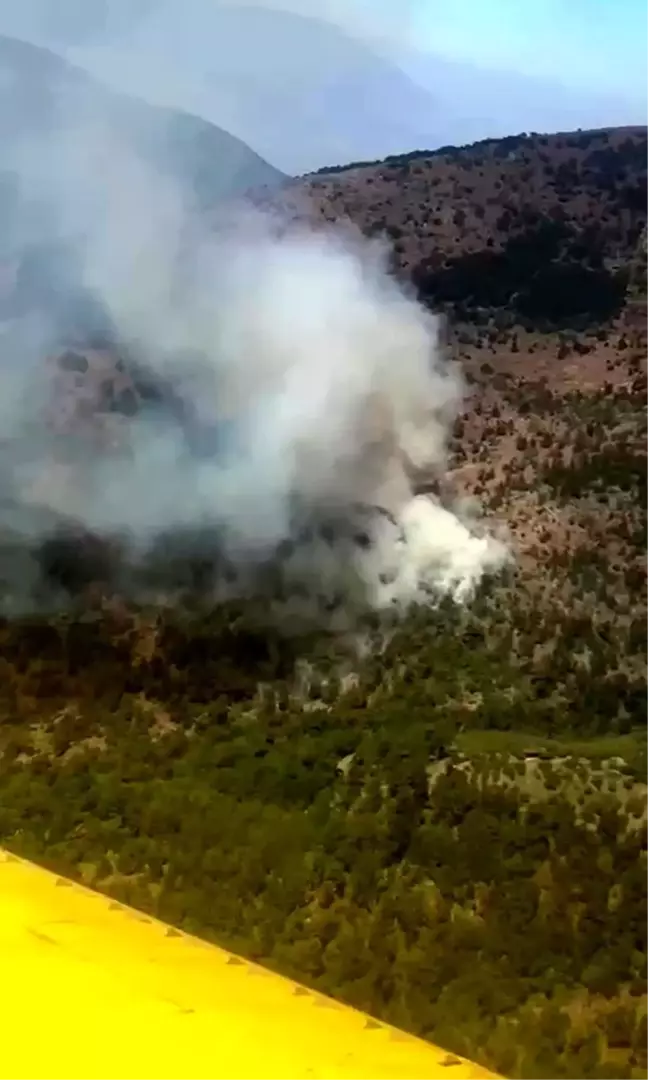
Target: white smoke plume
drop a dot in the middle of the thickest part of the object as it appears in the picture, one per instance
(320, 382)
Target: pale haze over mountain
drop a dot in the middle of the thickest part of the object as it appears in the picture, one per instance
(305, 93)
(47, 103)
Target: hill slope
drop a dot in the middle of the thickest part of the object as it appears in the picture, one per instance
(535, 248)
(542, 226)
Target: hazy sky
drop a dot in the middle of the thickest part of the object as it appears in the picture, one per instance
(594, 44)
(597, 44)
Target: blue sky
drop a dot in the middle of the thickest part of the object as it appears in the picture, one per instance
(597, 44)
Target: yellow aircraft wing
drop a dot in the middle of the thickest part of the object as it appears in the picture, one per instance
(91, 989)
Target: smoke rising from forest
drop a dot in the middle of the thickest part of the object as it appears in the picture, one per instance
(311, 393)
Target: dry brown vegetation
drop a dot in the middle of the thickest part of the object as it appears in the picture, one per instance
(441, 206)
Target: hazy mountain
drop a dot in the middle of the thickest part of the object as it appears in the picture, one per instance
(44, 99)
(305, 94)
(82, 166)
(493, 103)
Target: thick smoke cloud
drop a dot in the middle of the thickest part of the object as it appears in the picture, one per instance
(296, 394)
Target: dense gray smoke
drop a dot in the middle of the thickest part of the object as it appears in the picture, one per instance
(254, 398)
